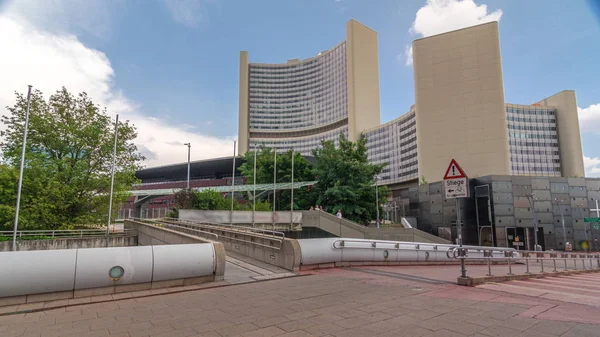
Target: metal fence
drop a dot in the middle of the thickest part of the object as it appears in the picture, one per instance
(68, 234)
(506, 260)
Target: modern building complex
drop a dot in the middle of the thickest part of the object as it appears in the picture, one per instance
(459, 111)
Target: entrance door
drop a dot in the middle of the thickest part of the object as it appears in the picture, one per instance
(515, 238)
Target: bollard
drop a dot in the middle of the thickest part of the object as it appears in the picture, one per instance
(575, 264)
(565, 263)
(554, 259)
(527, 265)
(463, 270)
(489, 267)
(509, 268)
(542, 261)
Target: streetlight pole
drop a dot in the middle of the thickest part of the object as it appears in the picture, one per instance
(232, 182)
(274, 183)
(16, 226)
(377, 199)
(189, 145)
(254, 191)
(292, 194)
(112, 178)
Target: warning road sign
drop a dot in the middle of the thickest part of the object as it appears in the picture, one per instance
(454, 171)
(456, 183)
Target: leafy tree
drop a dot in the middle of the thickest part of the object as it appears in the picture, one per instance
(212, 200)
(265, 171)
(68, 160)
(346, 179)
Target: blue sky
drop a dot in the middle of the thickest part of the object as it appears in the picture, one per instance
(171, 66)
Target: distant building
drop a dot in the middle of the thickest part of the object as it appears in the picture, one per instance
(459, 110)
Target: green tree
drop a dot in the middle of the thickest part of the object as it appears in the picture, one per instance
(68, 160)
(264, 175)
(212, 200)
(346, 179)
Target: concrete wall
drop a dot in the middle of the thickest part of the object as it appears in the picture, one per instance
(569, 138)
(459, 97)
(6, 246)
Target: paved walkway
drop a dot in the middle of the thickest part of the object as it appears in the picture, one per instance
(367, 301)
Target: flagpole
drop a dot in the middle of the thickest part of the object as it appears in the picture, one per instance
(254, 192)
(274, 184)
(16, 226)
(232, 183)
(112, 179)
(292, 194)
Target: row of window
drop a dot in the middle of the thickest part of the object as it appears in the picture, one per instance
(539, 152)
(531, 136)
(531, 128)
(530, 120)
(529, 111)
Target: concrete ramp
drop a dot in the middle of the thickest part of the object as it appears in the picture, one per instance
(348, 229)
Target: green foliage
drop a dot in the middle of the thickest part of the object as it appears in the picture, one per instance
(212, 200)
(68, 159)
(423, 181)
(346, 179)
(265, 175)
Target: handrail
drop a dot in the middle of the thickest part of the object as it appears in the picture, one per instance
(70, 233)
(194, 230)
(277, 234)
(515, 256)
(157, 222)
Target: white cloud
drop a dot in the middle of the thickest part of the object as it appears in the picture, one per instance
(592, 166)
(49, 60)
(589, 118)
(440, 16)
(188, 12)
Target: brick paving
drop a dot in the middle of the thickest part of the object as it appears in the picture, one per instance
(367, 301)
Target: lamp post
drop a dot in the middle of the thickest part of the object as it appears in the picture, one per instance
(274, 183)
(377, 199)
(16, 226)
(189, 145)
(254, 191)
(232, 182)
(292, 194)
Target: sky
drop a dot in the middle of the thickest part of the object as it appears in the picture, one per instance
(171, 66)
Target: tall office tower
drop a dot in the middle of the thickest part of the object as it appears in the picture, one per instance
(302, 102)
(461, 113)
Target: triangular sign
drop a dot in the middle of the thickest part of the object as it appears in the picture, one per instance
(454, 171)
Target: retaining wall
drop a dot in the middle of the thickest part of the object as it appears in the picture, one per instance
(69, 243)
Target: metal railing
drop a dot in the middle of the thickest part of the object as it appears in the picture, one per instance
(232, 230)
(260, 231)
(545, 260)
(71, 233)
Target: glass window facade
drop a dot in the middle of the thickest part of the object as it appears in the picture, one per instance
(533, 140)
(395, 143)
(299, 96)
(304, 145)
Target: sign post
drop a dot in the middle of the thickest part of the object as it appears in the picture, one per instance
(456, 185)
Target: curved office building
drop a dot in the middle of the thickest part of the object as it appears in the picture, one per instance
(298, 104)
(459, 113)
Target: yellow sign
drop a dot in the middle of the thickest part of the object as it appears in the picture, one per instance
(517, 239)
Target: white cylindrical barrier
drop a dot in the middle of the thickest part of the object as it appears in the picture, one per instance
(113, 266)
(331, 250)
(184, 262)
(37, 271)
(51, 271)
